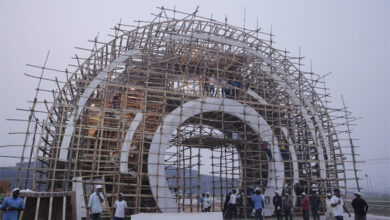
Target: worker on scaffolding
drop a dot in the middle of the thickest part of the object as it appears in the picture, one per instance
(11, 206)
(95, 203)
(283, 150)
(266, 147)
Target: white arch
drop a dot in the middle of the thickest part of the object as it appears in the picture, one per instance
(156, 159)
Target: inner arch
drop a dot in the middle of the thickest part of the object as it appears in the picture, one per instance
(156, 166)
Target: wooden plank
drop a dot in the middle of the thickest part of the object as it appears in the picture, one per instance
(22, 212)
(37, 208)
(50, 208)
(64, 209)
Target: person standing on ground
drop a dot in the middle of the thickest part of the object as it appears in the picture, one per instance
(201, 201)
(120, 206)
(207, 203)
(315, 206)
(287, 207)
(226, 211)
(258, 201)
(305, 207)
(359, 206)
(329, 211)
(1, 201)
(95, 203)
(11, 206)
(338, 206)
(233, 205)
(277, 201)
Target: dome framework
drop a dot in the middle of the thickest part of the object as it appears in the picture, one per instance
(183, 101)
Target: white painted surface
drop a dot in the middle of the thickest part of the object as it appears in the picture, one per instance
(125, 149)
(77, 186)
(173, 216)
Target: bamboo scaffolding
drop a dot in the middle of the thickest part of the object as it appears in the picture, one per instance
(229, 75)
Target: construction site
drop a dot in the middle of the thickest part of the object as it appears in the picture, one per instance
(175, 107)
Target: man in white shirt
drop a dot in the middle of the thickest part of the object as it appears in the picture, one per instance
(207, 203)
(233, 205)
(95, 203)
(329, 210)
(338, 206)
(120, 206)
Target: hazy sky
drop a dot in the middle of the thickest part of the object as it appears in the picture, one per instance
(349, 38)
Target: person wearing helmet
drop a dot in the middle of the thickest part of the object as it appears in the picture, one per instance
(11, 206)
(329, 211)
(95, 203)
(359, 206)
(287, 207)
(120, 206)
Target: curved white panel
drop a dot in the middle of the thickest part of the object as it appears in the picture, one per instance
(294, 160)
(156, 160)
(84, 98)
(125, 149)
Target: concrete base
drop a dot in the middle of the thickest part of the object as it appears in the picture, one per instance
(173, 216)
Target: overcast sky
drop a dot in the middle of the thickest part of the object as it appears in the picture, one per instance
(349, 38)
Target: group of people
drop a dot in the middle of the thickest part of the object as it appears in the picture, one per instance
(283, 206)
(234, 199)
(335, 206)
(96, 201)
(205, 202)
(229, 88)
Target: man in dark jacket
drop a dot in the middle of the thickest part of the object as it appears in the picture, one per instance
(360, 207)
(226, 211)
(277, 201)
(287, 207)
(315, 206)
